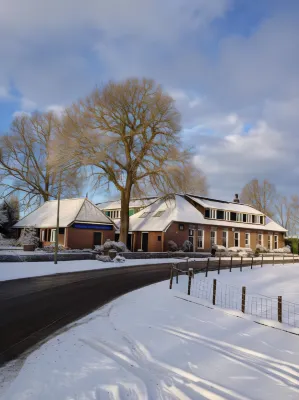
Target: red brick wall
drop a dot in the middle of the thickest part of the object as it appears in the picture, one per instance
(83, 238)
(173, 233)
(153, 243)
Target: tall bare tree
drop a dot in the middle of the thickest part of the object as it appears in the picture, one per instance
(287, 213)
(24, 167)
(261, 195)
(128, 133)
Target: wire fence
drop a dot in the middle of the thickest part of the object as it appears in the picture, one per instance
(232, 297)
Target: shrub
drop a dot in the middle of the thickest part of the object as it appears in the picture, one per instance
(172, 246)
(187, 246)
(261, 248)
(28, 236)
(120, 247)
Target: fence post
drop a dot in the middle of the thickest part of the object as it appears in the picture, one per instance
(279, 309)
(251, 262)
(219, 262)
(262, 260)
(231, 263)
(243, 298)
(171, 277)
(214, 291)
(241, 265)
(207, 267)
(190, 274)
(177, 276)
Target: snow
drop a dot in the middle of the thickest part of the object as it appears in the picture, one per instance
(18, 270)
(134, 203)
(70, 209)
(155, 343)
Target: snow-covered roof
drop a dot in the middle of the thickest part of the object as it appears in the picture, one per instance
(180, 210)
(79, 210)
(224, 205)
(134, 203)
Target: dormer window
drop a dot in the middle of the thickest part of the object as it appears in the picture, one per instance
(207, 213)
(244, 216)
(261, 219)
(227, 215)
(239, 217)
(213, 213)
(220, 214)
(233, 216)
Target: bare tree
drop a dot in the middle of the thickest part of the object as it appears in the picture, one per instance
(24, 167)
(287, 213)
(261, 195)
(128, 133)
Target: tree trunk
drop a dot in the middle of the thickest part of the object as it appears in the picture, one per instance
(124, 214)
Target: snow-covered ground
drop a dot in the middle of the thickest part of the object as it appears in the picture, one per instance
(153, 344)
(15, 270)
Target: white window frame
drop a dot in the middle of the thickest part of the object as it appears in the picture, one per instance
(52, 237)
(213, 213)
(270, 238)
(249, 218)
(238, 234)
(203, 239)
(247, 239)
(275, 242)
(257, 219)
(227, 215)
(258, 239)
(239, 217)
(215, 237)
(226, 238)
(42, 236)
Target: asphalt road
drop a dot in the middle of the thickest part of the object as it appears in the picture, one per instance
(32, 309)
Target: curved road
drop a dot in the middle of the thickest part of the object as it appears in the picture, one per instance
(32, 309)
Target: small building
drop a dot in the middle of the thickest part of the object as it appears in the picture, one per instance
(81, 224)
(112, 208)
(204, 222)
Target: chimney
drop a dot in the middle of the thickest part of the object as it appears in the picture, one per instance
(236, 199)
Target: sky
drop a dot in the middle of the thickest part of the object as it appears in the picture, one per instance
(231, 65)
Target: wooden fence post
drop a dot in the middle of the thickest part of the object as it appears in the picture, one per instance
(279, 309)
(231, 263)
(219, 263)
(177, 276)
(241, 265)
(243, 299)
(214, 291)
(251, 262)
(171, 278)
(190, 274)
(262, 260)
(207, 267)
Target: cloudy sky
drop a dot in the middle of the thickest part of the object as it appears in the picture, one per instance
(232, 66)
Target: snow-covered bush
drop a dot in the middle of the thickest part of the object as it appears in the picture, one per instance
(120, 247)
(103, 258)
(285, 249)
(172, 246)
(119, 259)
(261, 248)
(219, 248)
(187, 246)
(28, 237)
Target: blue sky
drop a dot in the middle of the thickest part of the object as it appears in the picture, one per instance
(232, 66)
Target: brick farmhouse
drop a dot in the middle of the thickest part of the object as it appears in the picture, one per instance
(81, 224)
(204, 222)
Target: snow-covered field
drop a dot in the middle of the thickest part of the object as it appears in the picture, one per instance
(160, 344)
(16, 270)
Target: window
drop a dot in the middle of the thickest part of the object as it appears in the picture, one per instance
(270, 242)
(275, 242)
(53, 235)
(213, 214)
(159, 238)
(191, 232)
(213, 237)
(227, 215)
(225, 238)
(239, 217)
(145, 214)
(191, 238)
(236, 239)
(43, 236)
(220, 214)
(181, 227)
(61, 231)
(107, 213)
(260, 239)
(207, 213)
(244, 216)
(254, 219)
(249, 218)
(201, 239)
(261, 220)
(159, 213)
(233, 216)
(247, 239)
